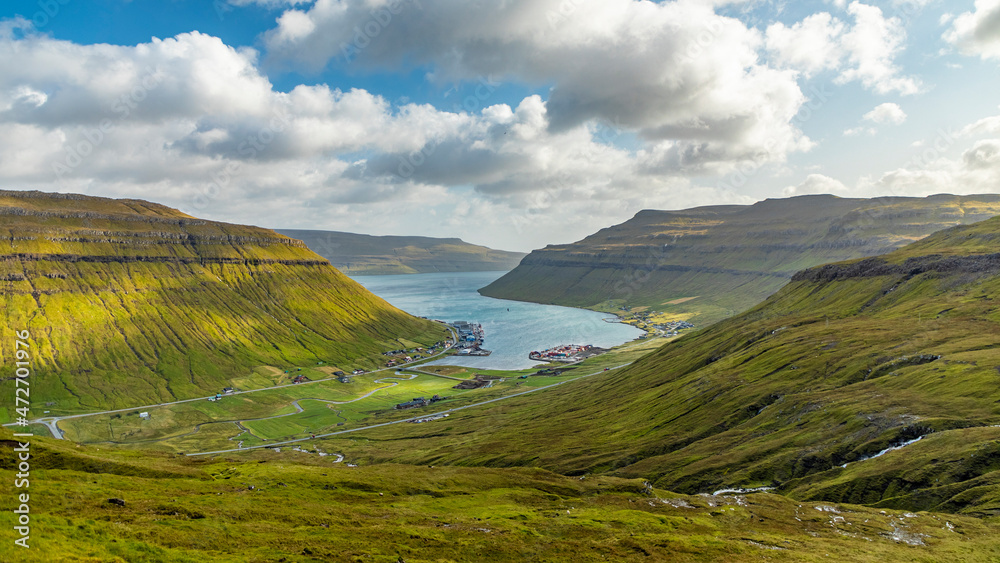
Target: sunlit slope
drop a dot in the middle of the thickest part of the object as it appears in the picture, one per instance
(356, 254)
(726, 258)
(266, 506)
(844, 362)
(130, 302)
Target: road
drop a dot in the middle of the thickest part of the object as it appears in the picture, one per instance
(52, 422)
(432, 373)
(423, 415)
(426, 415)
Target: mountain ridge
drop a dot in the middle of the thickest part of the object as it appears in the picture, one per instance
(726, 258)
(358, 254)
(137, 303)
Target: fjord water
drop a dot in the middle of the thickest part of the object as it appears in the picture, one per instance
(513, 328)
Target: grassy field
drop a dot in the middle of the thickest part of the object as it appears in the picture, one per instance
(271, 415)
(296, 507)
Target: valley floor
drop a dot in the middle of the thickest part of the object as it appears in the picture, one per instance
(296, 413)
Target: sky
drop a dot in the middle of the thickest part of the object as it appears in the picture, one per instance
(514, 124)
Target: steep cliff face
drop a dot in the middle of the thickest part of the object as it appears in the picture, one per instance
(129, 302)
(356, 254)
(723, 259)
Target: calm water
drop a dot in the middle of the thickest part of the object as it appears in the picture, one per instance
(513, 328)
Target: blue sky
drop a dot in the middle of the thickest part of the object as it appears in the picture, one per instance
(514, 124)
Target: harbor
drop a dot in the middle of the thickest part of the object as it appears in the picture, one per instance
(471, 337)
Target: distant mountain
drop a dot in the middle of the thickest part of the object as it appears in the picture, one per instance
(375, 255)
(712, 262)
(130, 302)
(809, 393)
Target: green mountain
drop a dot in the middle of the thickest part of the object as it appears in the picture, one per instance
(865, 392)
(130, 303)
(356, 254)
(801, 393)
(708, 263)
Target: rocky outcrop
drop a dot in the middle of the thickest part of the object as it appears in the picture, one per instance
(874, 267)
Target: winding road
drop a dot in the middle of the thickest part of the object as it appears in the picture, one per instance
(52, 422)
(424, 415)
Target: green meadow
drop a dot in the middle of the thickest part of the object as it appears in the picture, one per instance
(264, 506)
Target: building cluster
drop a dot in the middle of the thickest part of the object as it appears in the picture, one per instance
(645, 321)
(430, 418)
(419, 402)
(225, 391)
(470, 338)
(404, 356)
(566, 353)
(674, 326)
(478, 381)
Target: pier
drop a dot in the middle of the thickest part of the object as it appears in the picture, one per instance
(470, 339)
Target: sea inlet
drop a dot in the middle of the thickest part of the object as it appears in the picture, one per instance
(513, 328)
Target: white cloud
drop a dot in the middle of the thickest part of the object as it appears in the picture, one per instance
(641, 99)
(863, 52)
(816, 184)
(883, 114)
(929, 171)
(872, 44)
(673, 71)
(887, 113)
(985, 126)
(811, 45)
(855, 131)
(269, 3)
(984, 154)
(978, 32)
(193, 123)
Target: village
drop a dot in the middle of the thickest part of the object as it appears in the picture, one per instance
(405, 356)
(470, 339)
(651, 321)
(419, 402)
(566, 353)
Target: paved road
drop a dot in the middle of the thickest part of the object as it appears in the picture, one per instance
(52, 422)
(432, 373)
(424, 415)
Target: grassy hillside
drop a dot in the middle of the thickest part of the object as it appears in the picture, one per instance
(356, 254)
(130, 302)
(299, 507)
(721, 260)
(798, 393)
